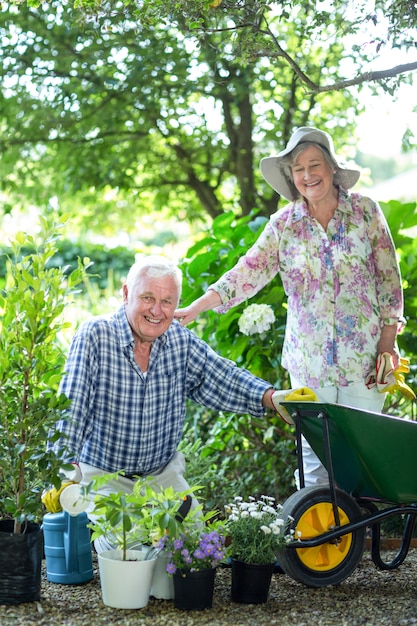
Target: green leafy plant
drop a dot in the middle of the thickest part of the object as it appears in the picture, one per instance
(141, 517)
(205, 262)
(32, 303)
(234, 447)
(402, 219)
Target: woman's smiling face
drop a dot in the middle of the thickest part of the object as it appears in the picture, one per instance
(312, 175)
(150, 305)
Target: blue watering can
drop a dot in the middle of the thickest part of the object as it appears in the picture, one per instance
(67, 543)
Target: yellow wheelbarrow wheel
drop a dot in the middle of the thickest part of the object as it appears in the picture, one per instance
(318, 519)
(310, 514)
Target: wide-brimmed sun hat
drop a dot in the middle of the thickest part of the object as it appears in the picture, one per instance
(274, 171)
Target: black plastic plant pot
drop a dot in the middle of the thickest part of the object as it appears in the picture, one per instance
(20, 563)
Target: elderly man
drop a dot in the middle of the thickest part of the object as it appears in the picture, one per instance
(129, 375)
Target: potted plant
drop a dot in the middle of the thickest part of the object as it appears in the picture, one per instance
(133, 523)
(256, 533)
(193, 554)
(32, 302)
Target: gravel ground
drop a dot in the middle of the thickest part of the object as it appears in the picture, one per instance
(368, 597)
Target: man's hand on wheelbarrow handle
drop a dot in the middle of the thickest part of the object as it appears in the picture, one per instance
(304, 394)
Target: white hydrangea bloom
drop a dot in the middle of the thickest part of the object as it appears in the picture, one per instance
(256, 318)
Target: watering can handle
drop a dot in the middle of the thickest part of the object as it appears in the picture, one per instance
(71, 543)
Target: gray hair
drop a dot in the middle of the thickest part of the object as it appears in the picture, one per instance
(154, 266)
(289, 160)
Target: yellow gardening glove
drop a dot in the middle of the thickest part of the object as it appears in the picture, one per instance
(304, 394)
(401, 385)
(50, 497)
(404, 365)
(388, 377)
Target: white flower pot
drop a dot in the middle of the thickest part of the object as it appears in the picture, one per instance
(162, 584)
(125, 584)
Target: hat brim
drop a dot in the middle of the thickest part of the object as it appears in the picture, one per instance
(273, 172)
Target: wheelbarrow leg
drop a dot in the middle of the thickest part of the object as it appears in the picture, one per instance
(375, 529)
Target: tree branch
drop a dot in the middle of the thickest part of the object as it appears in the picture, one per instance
(313, 88)
(368, 77)
(343, 84)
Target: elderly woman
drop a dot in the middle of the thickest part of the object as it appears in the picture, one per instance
(334, 253)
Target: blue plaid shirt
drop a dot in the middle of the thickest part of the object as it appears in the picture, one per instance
(121, 419)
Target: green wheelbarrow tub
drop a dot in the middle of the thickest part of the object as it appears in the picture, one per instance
(373, 455)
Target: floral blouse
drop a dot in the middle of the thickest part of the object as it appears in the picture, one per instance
(342, 286)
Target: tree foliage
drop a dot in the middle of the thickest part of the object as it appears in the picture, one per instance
(32, 303)
(120, 108)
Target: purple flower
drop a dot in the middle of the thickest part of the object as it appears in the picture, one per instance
(171, 569)
(199, 554)
(161, 542)
(195, 550)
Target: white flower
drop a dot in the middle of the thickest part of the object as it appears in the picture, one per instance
(269, 499)
(256, 318)
(266, 530)
(275, 529)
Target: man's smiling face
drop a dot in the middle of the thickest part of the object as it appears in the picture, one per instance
(150, 305)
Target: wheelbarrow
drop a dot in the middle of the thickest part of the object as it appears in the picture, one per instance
(371, 460)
